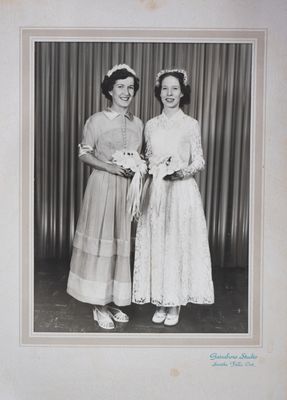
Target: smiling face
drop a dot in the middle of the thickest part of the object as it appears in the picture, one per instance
(122, 93)
(170, 92)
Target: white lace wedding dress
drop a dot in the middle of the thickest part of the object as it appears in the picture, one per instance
(172, 259)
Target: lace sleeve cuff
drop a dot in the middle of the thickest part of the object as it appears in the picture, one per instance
(194, 167)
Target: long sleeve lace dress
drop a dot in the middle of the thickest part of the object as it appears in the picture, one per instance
(172, 257)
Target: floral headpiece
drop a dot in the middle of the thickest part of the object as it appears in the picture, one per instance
(166, 71)
(120, 66)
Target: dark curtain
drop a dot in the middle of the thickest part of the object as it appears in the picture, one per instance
(67, 91)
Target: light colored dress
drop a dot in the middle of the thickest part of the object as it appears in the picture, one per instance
(100, 264)
(172, 257)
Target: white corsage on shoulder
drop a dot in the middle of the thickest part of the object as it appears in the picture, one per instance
(131, 160)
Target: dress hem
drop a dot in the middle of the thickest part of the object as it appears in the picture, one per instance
(183, 303)
(97, 301)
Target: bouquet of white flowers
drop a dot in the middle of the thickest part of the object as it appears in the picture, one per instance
(159, 168)
(131, 160)
(163, 166)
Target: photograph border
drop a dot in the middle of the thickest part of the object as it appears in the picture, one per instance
(258, 39)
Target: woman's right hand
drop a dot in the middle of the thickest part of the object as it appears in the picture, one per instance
(118, 170)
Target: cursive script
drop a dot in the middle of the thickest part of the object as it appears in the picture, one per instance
(233, 359)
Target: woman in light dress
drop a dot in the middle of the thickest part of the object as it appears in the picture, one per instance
(172, 257)
(100, 265)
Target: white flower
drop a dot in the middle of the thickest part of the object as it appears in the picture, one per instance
(166, 71)
(120, 66)
(165, 165)
(130, 159)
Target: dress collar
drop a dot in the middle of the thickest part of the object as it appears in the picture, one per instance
(112, 114)
(174, 117)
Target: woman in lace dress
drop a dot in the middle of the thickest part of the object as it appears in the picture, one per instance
(172, 258)
(100, 264)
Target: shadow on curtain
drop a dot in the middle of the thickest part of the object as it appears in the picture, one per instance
(67, 92)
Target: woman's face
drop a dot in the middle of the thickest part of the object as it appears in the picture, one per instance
(123, 92)
(170, 92)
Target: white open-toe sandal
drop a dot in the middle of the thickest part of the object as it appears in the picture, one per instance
(103, 318)
(117, 315)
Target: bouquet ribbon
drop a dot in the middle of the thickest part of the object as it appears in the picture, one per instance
(132, 160)
(160, 168)
(158, 182)
(134, 195)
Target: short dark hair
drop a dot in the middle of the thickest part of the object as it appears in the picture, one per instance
(109, 81)
(185, 89)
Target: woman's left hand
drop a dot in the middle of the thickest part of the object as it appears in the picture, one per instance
(129, 173)
(177, 175)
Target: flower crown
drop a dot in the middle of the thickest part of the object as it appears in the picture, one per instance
(120, 66)
(166, 71)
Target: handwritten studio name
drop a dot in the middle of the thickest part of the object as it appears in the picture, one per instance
(231, 356)
(233, 360)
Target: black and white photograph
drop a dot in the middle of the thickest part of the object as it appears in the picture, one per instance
(143, 200)
(141, 187)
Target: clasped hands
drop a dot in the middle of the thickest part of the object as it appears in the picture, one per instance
(176, 175)
(118, 170)
(128, 173)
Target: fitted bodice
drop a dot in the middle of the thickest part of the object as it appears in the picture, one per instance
(106, 132)
(177, 136)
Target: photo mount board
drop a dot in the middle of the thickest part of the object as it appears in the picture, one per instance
(257, 38)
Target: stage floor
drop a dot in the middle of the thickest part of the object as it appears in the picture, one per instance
(56, 311)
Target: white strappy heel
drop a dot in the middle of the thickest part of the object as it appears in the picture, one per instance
(117, 314)
(103, 318)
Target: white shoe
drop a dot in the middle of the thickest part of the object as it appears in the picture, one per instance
(117, 315)
(172, 319)
(159, 316)
(103, 318)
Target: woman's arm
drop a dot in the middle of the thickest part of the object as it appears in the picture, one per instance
(86, 150)
(95, 163)
(197, 163)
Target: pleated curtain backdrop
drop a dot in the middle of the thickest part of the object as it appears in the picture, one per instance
(67, 91)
